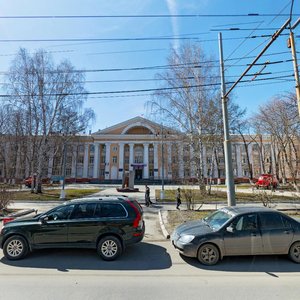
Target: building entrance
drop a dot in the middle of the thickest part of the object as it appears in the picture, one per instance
(138, 174)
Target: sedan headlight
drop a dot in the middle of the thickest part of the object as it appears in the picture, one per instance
(186, 238)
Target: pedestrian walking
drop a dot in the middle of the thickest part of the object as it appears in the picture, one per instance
(178, 198)
(147, 195)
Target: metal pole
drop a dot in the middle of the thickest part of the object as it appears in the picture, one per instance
(296, 72)
(227, 143)
(162, 193)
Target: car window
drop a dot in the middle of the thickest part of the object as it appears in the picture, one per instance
(84, 211)
(110, 210)
(217, 219)
(60, 213)
(245, 222)
(271, 221)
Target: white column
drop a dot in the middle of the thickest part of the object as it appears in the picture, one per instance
(180, 159)
(96, 161)
(86, 161)
(239, 171)
(107, 160)
(169, 161)
(155, 157)
(121, 160)
(193, 163)
(250, 155)
(131, 156)
(204, 157)
(74, 161)
(50, 162)
(146, 161)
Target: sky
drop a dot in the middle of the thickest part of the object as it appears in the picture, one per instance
(121, 43)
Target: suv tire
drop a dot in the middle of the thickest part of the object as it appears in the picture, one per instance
(15, 247)
(109, 248)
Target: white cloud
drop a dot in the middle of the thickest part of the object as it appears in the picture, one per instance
(172, 6)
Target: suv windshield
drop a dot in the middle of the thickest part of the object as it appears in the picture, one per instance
(217, 219)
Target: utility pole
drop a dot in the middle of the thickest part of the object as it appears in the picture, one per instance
(291, 44)
(227, 144)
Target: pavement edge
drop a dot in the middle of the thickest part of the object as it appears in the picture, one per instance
(162, 220)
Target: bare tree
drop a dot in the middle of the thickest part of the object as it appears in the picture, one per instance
(279, 117)
(48, 99)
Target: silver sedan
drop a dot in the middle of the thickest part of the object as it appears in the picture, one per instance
(238, 231)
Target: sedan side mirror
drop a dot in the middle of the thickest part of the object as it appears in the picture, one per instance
(230, 229)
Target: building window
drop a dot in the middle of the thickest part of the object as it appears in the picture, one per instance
(126, 160)
(114, 148)
(80, 159)
(102, 172)
(91, 160)
(102, 159)
(92, 148)
(114, 159)
(80, 148)
(68, 171)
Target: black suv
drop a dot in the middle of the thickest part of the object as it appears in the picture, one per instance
(106, 224)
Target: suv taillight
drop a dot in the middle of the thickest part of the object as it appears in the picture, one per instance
(138, 221)
(6, 220)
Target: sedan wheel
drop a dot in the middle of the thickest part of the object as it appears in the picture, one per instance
(208, 254)
(109, 248)
(15, 248)
(294, 252)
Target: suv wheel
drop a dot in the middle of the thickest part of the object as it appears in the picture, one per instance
(15, 247)
(109, 248)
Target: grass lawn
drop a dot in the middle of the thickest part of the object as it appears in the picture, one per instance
(53, 194)
(220, 196)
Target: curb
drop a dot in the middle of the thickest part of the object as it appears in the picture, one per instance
(162, 225)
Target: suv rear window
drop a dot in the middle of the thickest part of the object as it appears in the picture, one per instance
(110, 210)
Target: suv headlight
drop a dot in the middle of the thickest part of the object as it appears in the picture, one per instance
(186, 238)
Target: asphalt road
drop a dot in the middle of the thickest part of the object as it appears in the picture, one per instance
(149, 270)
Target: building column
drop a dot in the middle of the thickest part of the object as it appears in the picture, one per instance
(250, 156)
(239, 170)
(74, 162)
(131, 156)
(86, 161)
(169, 161)
(96, 161)
(121, 160)
(193, 163)
(50, 163)
(155, 158)
(146, 161)
(180, 159)
(107, 160)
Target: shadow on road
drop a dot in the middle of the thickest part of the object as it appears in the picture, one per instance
(142, 256)
(266, 264)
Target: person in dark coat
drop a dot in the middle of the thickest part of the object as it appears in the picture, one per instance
(178, 198)
(147, 195)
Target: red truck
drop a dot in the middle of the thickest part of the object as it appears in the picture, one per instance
(266, 181)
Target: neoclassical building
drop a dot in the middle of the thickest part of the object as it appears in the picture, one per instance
(152, 152)
(147, 150)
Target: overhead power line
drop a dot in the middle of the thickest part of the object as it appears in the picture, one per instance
(145, 16)
(141, 90)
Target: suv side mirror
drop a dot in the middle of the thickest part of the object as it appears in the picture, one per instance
(44, 219)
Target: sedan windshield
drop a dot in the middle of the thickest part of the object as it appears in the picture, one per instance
(217, 219)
